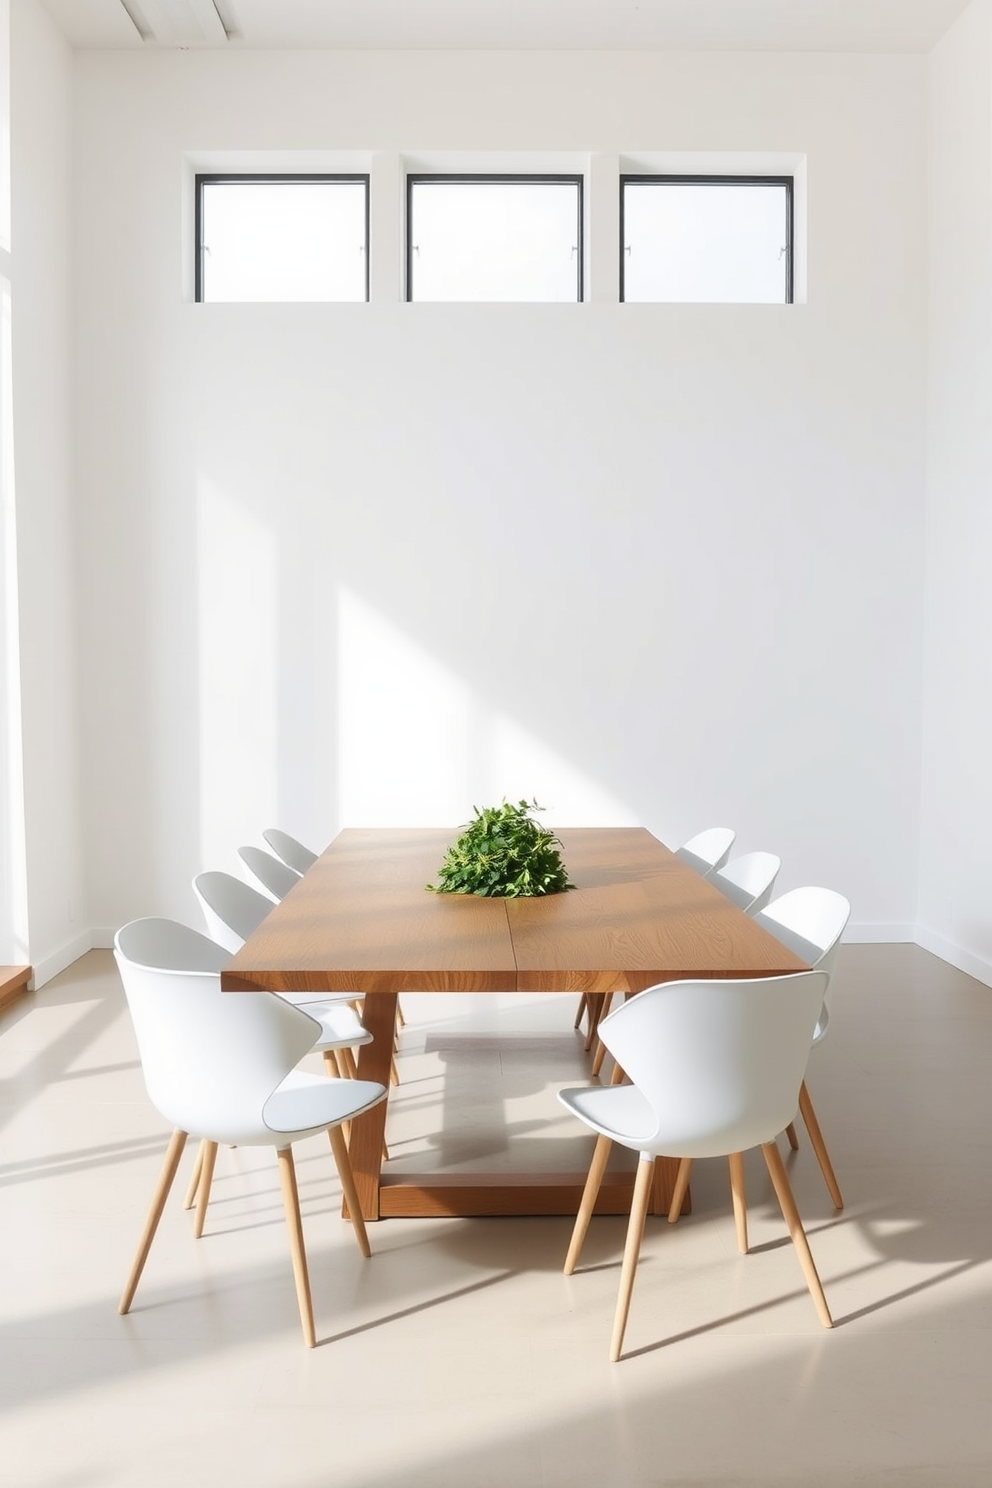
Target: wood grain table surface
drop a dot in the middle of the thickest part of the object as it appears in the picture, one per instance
(361, 919)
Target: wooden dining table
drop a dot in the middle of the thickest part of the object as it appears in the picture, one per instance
(363, 920)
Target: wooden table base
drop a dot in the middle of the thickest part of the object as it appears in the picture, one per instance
(438, 1194)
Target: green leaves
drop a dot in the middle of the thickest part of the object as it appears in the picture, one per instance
(503, 854)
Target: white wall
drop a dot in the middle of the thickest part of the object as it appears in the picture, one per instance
(346, 564)
(41, 91)
(955, 884)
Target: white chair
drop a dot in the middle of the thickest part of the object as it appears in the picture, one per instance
(288, 850)
(748, 880)
(707, 850)
(275, 878)
(811, 921)
(232, 909)
(222, 1066)
(715, 1066)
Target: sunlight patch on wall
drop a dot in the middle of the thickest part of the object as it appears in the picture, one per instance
(238, 647)
(407, 726)
(420, 745)
(14, 941)
(526, 768)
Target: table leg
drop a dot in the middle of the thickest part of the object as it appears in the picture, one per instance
(367, 1132)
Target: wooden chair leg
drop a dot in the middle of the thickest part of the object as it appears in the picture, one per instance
(581, 1010)
(632, 1249)
(783, 1191)
(343, 1163)
(208, 1155)
(736, 1161)
(598, 1058)
(594, 1008)
(194, 1181)
(597, 1168)
(790, 1132)
(819, 1146)
(173, 1153)
(680, 1189)
(294, 1224)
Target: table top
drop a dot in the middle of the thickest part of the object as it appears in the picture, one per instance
(361, 920)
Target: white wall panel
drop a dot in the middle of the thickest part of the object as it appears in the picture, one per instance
(655, 563)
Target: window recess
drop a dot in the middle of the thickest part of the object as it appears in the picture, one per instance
(282, 237)
(706, 239)
(494, 238)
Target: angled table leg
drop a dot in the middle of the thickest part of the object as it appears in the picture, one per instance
(368, 1131)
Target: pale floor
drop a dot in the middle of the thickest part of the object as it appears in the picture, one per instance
(460, 1355)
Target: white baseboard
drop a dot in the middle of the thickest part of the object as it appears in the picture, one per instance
(978, 967)
(879, 933)
(49, 966)
(101, 937)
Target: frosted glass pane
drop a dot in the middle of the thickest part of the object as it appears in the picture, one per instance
(705, 241)
(494, 240)
(283, 240)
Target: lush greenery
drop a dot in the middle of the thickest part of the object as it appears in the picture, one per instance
(504, 853)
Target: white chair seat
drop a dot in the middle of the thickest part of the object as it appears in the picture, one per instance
(306, 1104)
(620, 1112)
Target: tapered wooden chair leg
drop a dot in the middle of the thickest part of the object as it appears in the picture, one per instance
(594, 1007)
(587, 1204)
(294, 1224)
(194, 1181)
(736, 1161)
(598, 1058)
(790, 1132)
(581, 1010)
(343, 1163)
(174, 1152)
(632, 1249)
(208, 1153)
(819, 1146)
(680, 1189)
(783, 1191)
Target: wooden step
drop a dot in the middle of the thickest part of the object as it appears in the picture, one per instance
(13, 981)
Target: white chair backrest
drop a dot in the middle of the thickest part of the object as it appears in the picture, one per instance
(231, 908)
(748, 880)
(707, 850)
(288, 850)
(810, 921)
(275, 878)
(210, 1059)
(719, 1063)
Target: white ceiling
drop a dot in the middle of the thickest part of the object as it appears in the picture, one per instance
(691, 25)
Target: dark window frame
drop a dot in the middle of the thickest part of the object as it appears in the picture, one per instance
(639, 178)
(259, 178)
(497, 179)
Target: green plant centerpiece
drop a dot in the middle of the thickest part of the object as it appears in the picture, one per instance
(504, 853)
